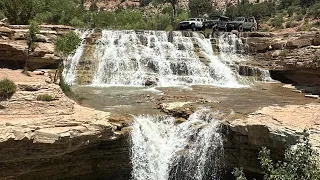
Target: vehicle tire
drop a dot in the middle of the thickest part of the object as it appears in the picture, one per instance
(193, 27)
(240, 28)
(226, 29)
(215, 28)
(253, 29)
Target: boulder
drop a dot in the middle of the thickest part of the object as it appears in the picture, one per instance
(278, 45)
(298, 43)
(150, 82)
(259, 47)
(316, 40)
(5, 31)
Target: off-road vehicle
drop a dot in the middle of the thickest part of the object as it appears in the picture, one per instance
(242, 24)
(192, 23)
(218, 23)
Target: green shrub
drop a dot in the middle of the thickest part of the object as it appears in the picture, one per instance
(65, 87)
(238, 173)
(277, 22)
(7, 88)
(314, 11)
(304, 27)
(65, 45)
(301, 162)
(291, 24)
(298, 17)
(45, 97)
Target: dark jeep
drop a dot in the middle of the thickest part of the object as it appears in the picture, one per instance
(218, 23)
(242, 24)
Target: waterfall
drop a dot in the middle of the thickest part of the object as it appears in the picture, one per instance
(265, 76)
(164, 58)
(163, 150)
(70, 64)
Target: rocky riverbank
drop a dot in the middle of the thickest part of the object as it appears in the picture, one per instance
(292, 58)
(58, 139)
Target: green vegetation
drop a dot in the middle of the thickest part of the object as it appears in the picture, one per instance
(34, 29)
(66, 89)
(65, 45)
(199, 7)
(278, 13)
(167, 17)
(72, 12)
(45, 97)
(7, 88)
(301, 162)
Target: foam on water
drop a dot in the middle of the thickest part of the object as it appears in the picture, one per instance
(162, 150)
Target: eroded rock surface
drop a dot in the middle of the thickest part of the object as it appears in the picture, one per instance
(274, 127)
(58, 139)
(13, 46)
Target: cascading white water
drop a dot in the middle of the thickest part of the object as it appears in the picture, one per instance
(218, 70)
(162, 150)
(168, 58)
(70, 64)
(265, 76)
(230, 48)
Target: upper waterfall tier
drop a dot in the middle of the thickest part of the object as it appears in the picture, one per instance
(139, 58)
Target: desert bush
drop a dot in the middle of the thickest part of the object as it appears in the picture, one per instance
(45, 97)
(2, 15)
(7, 88)
(314, 11)
(277, 22)
(65, 45)
(301, 162)
(298, 17)
(291, 24)
(304, 27)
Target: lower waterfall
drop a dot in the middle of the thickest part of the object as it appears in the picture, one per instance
(163, 150)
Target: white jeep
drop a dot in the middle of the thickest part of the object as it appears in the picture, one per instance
(192, 23)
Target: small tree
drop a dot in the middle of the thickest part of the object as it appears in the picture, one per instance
(200, 7)
(174, 8)
(31, 42)
(301, 162)
(64, 46)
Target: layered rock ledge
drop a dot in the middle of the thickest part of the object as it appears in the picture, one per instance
(13, 46)
(290, 57)
(58, 139)
(274, 127)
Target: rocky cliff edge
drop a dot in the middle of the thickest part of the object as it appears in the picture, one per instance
(59, 138)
